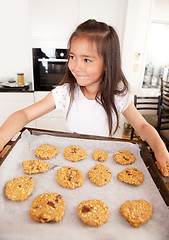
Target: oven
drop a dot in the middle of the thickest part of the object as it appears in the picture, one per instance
(49, 67)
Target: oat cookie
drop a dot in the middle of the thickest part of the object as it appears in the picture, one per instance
(93, 212)
(35, 166)
(136, 212)
(124, 157)
(46, 151)
(100, 155)
(131, 176)
(74, 153)
(161, 170)
(47, 207)
(100, 174)
(19, 189)
(70, 177)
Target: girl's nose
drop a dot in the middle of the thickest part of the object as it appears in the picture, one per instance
(78, 66)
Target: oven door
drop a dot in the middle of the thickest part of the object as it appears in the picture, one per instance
(48, 73)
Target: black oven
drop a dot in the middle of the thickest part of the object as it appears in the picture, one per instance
(49, 66)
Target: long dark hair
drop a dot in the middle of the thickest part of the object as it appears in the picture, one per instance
(108, 46)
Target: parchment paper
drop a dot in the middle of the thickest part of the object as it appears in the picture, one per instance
(15, 222)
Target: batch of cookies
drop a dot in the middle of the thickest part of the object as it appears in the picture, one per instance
(48, 207)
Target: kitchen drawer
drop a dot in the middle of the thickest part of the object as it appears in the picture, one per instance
(12, 102)
(55, 124)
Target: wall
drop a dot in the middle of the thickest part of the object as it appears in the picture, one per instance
(137, 24)
(160, 11)
(15, 40)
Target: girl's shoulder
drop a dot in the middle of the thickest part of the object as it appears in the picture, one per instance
(61, 96)
(64, 89)
(122, 101)
(61, 88)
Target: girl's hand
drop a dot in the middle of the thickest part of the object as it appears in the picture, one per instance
(1, 145)
(163, 164)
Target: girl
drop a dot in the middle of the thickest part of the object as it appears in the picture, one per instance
(92, 93)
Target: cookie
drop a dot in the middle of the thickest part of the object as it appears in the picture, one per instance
(46, 151)
(100, 155)
(93, 212)
(47, 207)
(74, 153)
(100, 174)
(136, 212)
(131, 176)
(35, 166)
(124, 157)
(161, 170)
(70, 177)
(19, 189)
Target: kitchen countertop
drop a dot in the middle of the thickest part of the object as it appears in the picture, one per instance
(16, 89)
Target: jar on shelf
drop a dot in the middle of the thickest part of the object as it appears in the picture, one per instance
(20, 79)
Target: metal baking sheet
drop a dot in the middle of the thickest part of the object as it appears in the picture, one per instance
(17, 224)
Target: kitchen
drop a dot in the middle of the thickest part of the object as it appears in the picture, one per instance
(27, 24)
(28, 27)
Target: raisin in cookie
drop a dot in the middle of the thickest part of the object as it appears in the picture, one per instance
(100, 155)
(19, 189)
(131, 176)
(47, 207)
(93, 212)
(136, 212)
(35, 166)
(74, 153)
(124, 157)
(46, 151)
(70, 177)
(100, 174)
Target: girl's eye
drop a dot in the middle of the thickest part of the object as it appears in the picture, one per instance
(72, 57)
(87, 60)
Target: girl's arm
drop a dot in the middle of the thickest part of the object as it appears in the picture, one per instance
(148, 134)
(19, 119)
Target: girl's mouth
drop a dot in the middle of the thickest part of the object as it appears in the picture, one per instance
(80, 76)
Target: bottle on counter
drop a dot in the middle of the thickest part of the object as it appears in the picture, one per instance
(20, 79)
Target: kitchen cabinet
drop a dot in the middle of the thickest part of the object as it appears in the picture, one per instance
(107, 11)
(12, 102)
(52, 22)
(56, 20)
(51, 121)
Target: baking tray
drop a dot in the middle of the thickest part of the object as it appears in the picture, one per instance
(159, 180)
(16, 222)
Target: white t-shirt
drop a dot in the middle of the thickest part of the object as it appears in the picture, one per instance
(86, 116)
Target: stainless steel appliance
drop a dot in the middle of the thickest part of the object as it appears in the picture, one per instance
(49, 66)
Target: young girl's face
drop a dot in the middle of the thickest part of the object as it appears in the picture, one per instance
(85, 64)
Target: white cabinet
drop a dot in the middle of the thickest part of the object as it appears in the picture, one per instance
(51, 121)
(111, 12)
(12, 102)
(52, 22)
